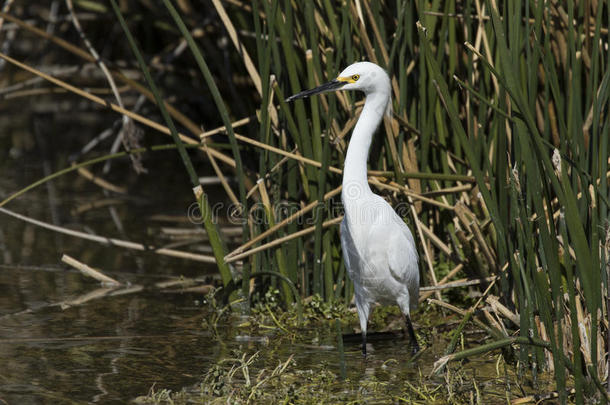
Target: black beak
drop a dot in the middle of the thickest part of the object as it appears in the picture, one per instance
(330, 86)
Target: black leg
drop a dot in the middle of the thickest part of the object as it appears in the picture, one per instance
(364, 343)
(414, 345)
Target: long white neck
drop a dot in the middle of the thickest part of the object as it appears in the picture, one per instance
(355, 180)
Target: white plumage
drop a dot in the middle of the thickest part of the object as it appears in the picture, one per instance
(378, 247)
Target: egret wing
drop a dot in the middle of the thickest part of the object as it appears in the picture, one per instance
(403, 260)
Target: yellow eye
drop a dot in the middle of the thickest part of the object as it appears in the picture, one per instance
(355, 77)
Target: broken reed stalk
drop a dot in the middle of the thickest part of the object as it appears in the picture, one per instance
(458, 283)
(89, 271)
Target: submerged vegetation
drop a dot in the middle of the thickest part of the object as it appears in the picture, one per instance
(278, 362)
(496, 154)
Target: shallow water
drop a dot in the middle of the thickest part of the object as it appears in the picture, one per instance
(106, 352)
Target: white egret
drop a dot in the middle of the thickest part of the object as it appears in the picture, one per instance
(378, 247)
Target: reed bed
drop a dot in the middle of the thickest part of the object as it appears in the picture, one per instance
(496, 153)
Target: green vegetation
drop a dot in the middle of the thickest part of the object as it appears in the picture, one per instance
(496, 155)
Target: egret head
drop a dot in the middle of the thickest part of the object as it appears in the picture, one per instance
(364, 76)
